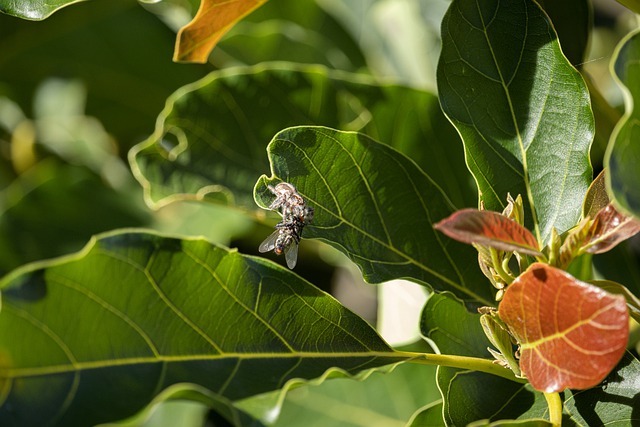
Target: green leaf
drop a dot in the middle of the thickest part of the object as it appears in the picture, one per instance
(614, 402)
(210, 139)
(511, 423)
(633, 302)
(120, 52)
(572, 20)
(386, 399)
(53, 209)
(33, 9)
(95, 336)
(454, 330)
(620, 265)
(623, 153)
(522, 110)
(429, 416)
(375, 205)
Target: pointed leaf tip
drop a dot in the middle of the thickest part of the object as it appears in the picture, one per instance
(572, 334)
(489, 229)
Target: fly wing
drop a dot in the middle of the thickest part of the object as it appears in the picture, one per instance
(291, 254)
(269, 243)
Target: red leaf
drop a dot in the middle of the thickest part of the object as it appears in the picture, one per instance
(610, 228)
(489, 229)
(572, 334)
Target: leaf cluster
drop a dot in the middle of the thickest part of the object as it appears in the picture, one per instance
(527, 320)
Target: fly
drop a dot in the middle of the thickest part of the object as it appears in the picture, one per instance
(295, 215)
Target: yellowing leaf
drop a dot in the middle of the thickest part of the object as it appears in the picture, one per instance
(214, 18)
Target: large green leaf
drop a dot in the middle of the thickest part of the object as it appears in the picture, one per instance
(613, 403)
(210, 139)
(522, 110)
(33, 9)
(454, 330)
(53, 209)
(375, 205)
(623, 154)
(379, 401)
(95, 336)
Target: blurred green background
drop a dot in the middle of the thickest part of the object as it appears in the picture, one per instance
(79, 89)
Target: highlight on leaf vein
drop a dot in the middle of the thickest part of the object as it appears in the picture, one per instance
(571, 334)
(295, 215)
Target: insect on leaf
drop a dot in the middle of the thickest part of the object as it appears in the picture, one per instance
(375, 205)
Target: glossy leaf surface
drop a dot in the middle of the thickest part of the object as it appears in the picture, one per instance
(213, 19)
(211, 138)
(623, 154)
(571, 334)
(610, 228)
(33, 9)
(489, 229)
(502, 78)
(446, 321)
(614, 402)
(96, 336)
(375, 205)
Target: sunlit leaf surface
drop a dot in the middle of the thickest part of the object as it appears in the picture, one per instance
(455, 330)
(489, 229)
(615, 402)
(210, 140)
(610, 228)
(375, 205)
(571, 334)
(94, 337)
(623, 154)
(522, 110)
(33, 9)
(213, 19)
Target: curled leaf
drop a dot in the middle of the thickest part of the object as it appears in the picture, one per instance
(489, 229)
(571, 334)
(609, 228)
(213, 19)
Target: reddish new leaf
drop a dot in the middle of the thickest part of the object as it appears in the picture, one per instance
(213, 19)
(610, 227)
(489, 229)
(571, 334)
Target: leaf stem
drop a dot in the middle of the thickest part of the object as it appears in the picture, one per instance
(499, 267)
(555, 408)
(464, 362)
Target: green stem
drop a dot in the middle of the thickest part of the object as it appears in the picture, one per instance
(463, 362)
(555, 408)
(497, 265)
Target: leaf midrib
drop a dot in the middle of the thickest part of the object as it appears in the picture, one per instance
(12, 373)
(386, 245)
